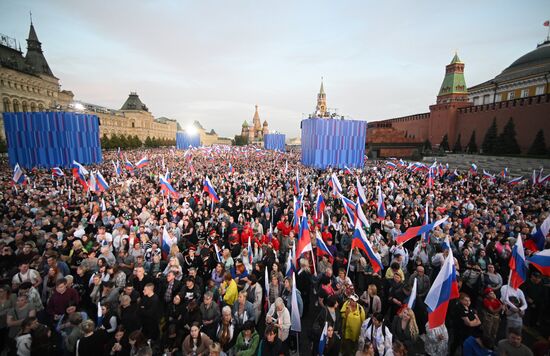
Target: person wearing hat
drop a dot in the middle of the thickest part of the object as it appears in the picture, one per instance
(190, 260)
(353, 315)
(490, 313)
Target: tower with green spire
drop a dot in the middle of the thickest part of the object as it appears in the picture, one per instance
(453, 88)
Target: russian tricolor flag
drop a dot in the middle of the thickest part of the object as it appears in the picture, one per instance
(430, 181)
(350, 208)
(541, 261)
(166, 243)
(518, 265)
(538, 236)
(319, 205)
(489, 176)
(324, 339)
(504, 172)
(391, 165)
(101, 183)
(322, 248)
(419, 230)
(347, 170)
(142, 162)
(380, 206)
(304, 239)
(515, 180)
(18, 175)
(57, 172)
(425, 236)
(167, 188)
(361, 215)
(231, 169)
(361, 193)
(412, 297)
(129, 166)
(79, 172)
(209, 188)
(360, 241)
(334, 183)
(444, 288)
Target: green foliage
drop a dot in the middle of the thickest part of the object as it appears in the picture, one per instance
(148, 142)
(122, 142)
(241, 140)
(538, 147)
(427, 145)
(489, 144)
(105, 142)
(507, 143)
(472, 146)
(444, 145)
(458, 146)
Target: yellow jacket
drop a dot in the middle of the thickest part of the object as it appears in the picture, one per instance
(231, 292)
(352, 321)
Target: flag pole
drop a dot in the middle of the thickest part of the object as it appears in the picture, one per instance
(349, 261)
(313, 261)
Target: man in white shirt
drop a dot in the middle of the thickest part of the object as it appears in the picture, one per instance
(26, 274)
(515, 304)
(104, 238)
(374, 330)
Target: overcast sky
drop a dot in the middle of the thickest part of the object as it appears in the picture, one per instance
(213, 60)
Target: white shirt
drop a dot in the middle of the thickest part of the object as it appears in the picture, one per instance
(30, 276)
(506, 292)
(383, 341)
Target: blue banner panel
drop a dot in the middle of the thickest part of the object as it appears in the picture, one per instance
(333, 143)
(275, 142)
(184, 140)
(52, 139)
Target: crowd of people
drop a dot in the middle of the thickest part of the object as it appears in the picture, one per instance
(88, 272)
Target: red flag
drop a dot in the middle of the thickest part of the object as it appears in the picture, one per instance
(546, 23)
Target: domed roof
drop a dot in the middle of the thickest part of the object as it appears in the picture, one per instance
(534, 62)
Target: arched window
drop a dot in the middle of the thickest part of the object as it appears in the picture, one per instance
(33, 106)
(16, 106)
(6, 104)
(24, 106)
(40, 107)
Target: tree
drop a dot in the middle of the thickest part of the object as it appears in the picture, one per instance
(490, 140)
(136, 141)
(105, 142)
(538, 147)
(427, 145)
(458, 146)
(122, 141)
(507, 143)
(444, 145)
(115, 141)
(472, 146)
(148, 142)
(241, 140)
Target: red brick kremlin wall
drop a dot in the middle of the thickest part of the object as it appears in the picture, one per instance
(529, 114)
